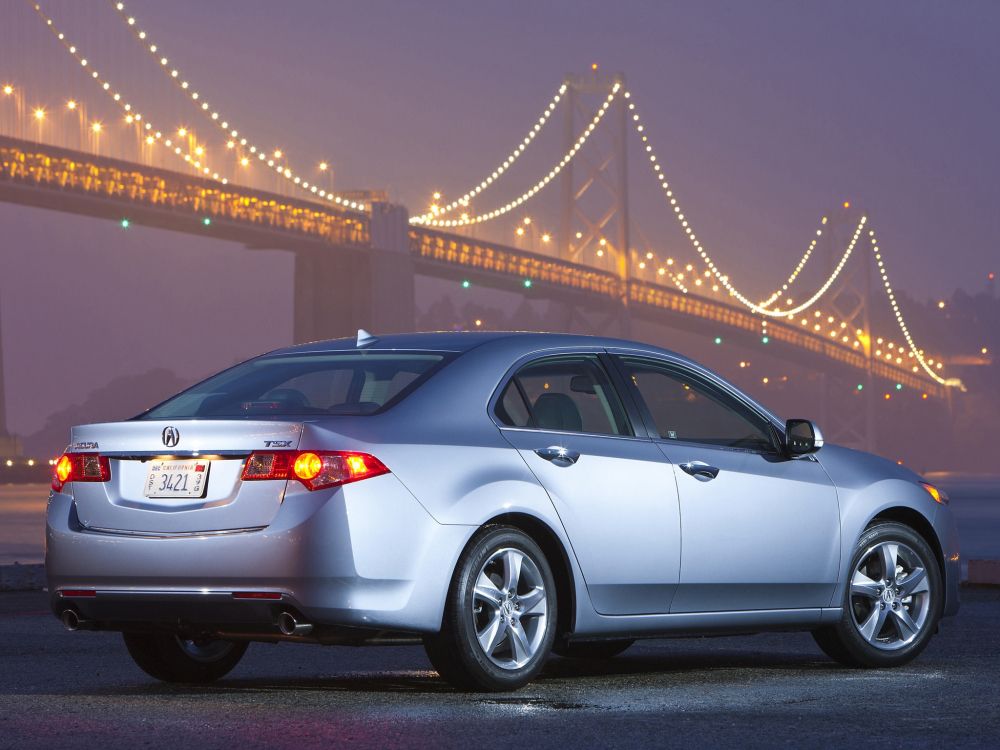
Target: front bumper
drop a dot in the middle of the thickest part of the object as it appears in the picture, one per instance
(365, 555)
(944, 523)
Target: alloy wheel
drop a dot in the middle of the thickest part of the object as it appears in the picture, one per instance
(510, 608)
(890, 595)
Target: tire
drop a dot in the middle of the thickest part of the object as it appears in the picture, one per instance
(172, 659)
(881, 628)
(592, 649)
(517, 623)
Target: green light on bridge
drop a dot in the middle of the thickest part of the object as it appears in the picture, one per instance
(899, 386)
(125, 223)
(718, 339)
(861, 386)
(466, 284)
(527, 283)
(765, 339)
(206, 221)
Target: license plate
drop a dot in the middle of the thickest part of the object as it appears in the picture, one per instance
(187, 478)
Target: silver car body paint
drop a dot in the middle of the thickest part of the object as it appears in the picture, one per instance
(649, 548)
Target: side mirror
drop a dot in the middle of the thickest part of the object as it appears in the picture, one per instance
(802, 437)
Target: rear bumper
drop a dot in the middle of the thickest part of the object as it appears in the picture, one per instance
(364, 555)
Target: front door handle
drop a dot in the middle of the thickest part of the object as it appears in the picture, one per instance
(700, 470)
(559, 455)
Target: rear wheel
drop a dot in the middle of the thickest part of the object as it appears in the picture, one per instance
(892, 603)
(500, 616)
(172, 658)
(592, 649)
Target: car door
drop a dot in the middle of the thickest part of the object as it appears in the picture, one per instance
(614, 493)
(760, 530)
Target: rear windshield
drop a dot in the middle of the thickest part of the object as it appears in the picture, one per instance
(333, 383)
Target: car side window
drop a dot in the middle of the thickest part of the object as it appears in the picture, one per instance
(684, 407)
(566, 394)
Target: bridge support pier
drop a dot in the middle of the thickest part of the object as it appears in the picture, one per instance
(339, 290)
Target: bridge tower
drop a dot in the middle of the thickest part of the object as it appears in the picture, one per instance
(340, 289)
(594, 213)
(850, 298)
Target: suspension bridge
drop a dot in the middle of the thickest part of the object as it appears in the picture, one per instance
(357, 256)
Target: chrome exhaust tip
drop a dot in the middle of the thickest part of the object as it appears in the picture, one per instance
(70, 620)
(288, 625)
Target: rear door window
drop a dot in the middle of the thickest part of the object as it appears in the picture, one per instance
(564, 394)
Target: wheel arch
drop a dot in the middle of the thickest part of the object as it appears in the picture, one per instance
(919, 523)
(558, 559)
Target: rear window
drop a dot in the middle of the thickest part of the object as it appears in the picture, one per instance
(328, 384)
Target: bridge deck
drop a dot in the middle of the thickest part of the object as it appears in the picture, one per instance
(65, 180)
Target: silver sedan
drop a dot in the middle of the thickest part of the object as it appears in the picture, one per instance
(498, 497)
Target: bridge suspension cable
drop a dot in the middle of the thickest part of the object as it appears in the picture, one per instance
(502, 167)
(703, 253)
(232, 133)
(799, 267)
(917, 353)
(724, 280)
(465, 220)
(131, 115)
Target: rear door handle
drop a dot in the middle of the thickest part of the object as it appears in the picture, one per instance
(559, 455)
(700, 470)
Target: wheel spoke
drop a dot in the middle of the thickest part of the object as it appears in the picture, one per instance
(491, 636)
(914, 583)
(519, 643)
(487, 590)
(534, 603)
(871, 627)
(889, 553)
(862, 585)
(905, 625)
(512, 560)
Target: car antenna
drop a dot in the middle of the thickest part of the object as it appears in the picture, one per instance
(365, 339)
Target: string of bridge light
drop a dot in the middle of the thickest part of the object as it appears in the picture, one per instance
(950, 382)
(799, 266)
(465, 219)
(917, 353)
(502, 167)
(700, 248)
(131, 116)
(232, 133)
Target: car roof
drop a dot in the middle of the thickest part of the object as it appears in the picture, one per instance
(462, 341)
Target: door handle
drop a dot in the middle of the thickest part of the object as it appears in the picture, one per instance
(559, 455)
(700, 470)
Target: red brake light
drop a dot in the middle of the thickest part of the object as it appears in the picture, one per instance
(80, 467)
(316, 470)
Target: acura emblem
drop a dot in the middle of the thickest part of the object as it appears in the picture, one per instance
(171, 436)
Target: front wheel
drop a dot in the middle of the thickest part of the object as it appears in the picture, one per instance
(892, 603)
(500, 616)
(172, 658)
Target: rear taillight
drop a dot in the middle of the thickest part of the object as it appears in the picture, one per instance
(80, 467)
(317, 470)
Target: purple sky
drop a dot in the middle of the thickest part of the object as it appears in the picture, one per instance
(766, 115)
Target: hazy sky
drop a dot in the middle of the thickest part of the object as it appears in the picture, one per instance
(766, 114)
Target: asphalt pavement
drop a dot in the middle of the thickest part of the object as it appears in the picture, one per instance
(80, 690)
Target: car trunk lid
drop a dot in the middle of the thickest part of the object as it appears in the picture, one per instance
(180, 477)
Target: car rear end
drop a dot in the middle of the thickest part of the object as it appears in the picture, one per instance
(261, 524)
